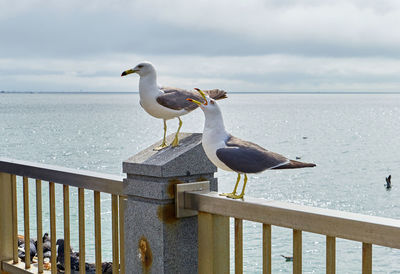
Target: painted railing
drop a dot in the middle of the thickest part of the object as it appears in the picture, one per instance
(215, 211)
(167, 224)
(83, 180)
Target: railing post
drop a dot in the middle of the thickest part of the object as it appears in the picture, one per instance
(213, 243)
(155, 240)
(6, 227)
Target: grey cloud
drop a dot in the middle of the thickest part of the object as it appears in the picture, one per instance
(47, 33)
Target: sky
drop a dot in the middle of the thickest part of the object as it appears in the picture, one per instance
(239, 46)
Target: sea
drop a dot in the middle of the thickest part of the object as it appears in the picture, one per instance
(353, 138)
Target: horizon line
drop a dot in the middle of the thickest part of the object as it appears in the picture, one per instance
(232, 92)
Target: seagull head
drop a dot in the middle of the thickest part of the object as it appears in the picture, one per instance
(142, 69)
(208, 106)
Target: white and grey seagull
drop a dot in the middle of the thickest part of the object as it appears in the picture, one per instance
(233, 154)
(166, 102)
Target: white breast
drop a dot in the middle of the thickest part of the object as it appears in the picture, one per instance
(149, 91)
(152, 107)
(211, 143)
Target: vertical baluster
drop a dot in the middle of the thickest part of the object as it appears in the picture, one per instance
(297, 251)
(39, 225)
(114, 217)
(122, 234)
(330, 255)
(14, 218)
(97, 231)
(67, 250)
(366, 258)
(238, 246)
(52, 200)
(26, 222)
(267, 249)
(81, 202)
(7, 242)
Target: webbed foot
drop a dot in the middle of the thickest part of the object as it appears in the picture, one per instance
(226, 194)
(234, 196)
(162, 146)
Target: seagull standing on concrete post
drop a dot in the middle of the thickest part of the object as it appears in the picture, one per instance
(166, 102)
(233, 154)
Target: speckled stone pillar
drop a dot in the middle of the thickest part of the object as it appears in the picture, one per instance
(155, 240)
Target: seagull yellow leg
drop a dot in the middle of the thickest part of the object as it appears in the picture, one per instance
(164, 143)
(234, 190)
(241, 195)
(175, 142)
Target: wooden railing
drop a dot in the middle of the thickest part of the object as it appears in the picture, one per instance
(215, 211)
(10, 169)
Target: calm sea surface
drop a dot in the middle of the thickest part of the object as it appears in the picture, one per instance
(354, 140)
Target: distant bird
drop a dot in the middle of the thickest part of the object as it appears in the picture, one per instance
(388, 184)
(106, 268)
(166, 102)
(21, 249)
(46, 245)
(233, 154)
(61, 254)
(288, 258)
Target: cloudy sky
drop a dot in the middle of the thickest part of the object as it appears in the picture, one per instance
(252, 45)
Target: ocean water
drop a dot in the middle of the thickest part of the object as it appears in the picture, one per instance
(353, 139)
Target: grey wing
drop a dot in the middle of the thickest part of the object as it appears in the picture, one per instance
(247, 160)
(246, 157)
(175, 98)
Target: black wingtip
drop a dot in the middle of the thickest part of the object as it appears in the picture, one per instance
(123, 74)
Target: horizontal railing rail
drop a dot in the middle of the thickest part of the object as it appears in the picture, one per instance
(346, 225)
(215, 211)
(67, 176)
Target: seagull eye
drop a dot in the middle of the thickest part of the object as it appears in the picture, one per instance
(140, 66)
(212, 102)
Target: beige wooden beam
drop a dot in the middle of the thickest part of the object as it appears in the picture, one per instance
(213, 240)
(6, 219)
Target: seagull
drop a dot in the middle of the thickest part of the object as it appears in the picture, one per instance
(233, 154)
(166, 102)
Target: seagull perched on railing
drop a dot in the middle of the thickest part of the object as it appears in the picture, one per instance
(233, 154)
(166, 102)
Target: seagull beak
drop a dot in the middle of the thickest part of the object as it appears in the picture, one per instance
(129, 71)
(194, 101)
(202, 95)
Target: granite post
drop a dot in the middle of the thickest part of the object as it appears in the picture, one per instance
(155, 240)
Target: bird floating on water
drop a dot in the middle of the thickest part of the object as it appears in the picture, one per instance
(233, 154)
(166, 102)
(388, 184)
(288, 258)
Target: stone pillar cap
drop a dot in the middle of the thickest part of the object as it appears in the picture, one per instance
(186, 159)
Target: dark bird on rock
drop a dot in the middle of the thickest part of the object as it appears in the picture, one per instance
(61, 256)
(21, 249)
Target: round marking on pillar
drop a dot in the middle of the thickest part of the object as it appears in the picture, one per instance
(145, 254)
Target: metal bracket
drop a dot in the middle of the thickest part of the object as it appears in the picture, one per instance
(180, 189)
